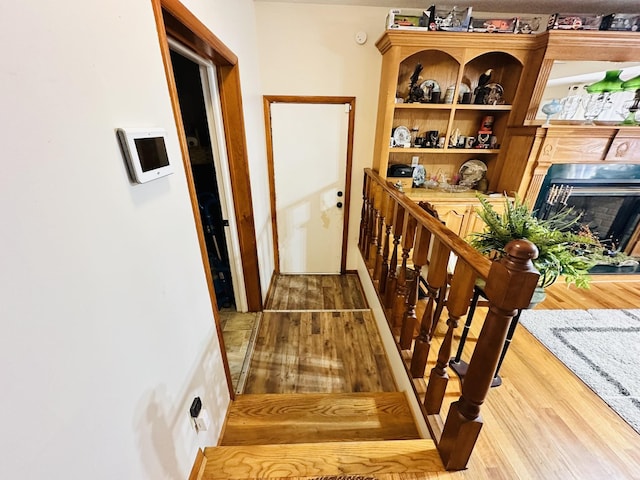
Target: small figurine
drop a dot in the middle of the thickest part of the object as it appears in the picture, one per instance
(550, 109)
(415, 91)
(481, 90)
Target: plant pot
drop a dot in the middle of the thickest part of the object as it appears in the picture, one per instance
(538, 297)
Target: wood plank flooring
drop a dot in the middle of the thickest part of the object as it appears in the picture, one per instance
(301, 418)
(317, 335)
(316, 292)
(318, 352)
(605, 291)
(312, 460)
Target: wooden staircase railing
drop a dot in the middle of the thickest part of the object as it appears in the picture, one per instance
(400, 243)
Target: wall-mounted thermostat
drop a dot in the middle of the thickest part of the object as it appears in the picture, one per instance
(145, 152)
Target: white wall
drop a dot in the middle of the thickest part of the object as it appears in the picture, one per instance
(310, 50)
(107, 329)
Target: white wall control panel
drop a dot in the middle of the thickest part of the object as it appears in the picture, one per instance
(145, 152)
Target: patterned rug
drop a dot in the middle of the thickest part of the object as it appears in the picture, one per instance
(602, 347)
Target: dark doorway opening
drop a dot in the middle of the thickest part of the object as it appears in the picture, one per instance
(187, 75)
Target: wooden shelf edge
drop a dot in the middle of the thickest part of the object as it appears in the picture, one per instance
(453, 106)
(441, 151)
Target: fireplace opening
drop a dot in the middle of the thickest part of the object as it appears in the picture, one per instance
(606, 198)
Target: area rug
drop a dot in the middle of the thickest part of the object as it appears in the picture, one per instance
(602, 347)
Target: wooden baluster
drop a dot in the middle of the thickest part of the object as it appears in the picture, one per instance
(457, 304)
(384, 269)
(363, 212)
(402, 290)
(373, 246)
(382, 201)
(436, 285)
(370, 219)
(420, 254)
(510, 286)
(392, 279)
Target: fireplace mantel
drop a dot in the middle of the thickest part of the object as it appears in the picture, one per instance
(583, 144)
(531, 150)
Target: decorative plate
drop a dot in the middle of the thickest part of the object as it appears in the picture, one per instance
(494, 95)
(402, 136)
(472, 172)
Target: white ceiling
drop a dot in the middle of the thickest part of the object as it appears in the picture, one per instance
(503, 6)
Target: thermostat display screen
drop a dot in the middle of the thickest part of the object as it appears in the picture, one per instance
(145, 152)
(152, 153)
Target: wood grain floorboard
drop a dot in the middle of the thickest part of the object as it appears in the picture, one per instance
(304, 418)
(318, 352)
(603, 292)
(347, 458)
(316, 292)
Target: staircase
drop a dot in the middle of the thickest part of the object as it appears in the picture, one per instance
(315, 435)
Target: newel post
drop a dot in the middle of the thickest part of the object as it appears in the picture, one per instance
(510, 285)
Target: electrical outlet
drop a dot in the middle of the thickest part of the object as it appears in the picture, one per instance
(202, 422)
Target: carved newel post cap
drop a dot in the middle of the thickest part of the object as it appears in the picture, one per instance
(522, 249)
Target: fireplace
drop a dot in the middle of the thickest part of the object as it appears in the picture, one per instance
(607, 196)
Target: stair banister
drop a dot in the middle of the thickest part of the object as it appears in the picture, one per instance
(510, 283)
(509, 287)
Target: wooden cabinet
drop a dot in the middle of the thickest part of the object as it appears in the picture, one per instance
(452, 60)
(458, 211)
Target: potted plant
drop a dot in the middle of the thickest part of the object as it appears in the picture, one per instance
(564, 248)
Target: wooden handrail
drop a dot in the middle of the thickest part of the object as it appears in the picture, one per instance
(395, 230)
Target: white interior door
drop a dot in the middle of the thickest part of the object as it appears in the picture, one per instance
(309, 158)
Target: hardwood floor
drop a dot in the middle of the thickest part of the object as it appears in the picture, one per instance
(238, 331)
(542, 423)
(319, 417)
(316, 292)
(317, 335)
(606, 291)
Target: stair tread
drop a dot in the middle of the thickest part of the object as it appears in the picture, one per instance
(317, 459)
(302, 418)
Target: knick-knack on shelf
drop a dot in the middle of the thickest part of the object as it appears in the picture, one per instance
(550, 109)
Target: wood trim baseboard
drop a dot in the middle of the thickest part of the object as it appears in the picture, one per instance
(197, 471)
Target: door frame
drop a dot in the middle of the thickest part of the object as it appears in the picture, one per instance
(211, 93)
(174, 19)
(351, 101)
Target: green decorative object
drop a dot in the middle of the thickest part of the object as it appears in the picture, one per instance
(560, 251)
(610, 83)
(631, 84)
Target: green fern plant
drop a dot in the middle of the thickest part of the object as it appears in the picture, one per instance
(561, 252)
